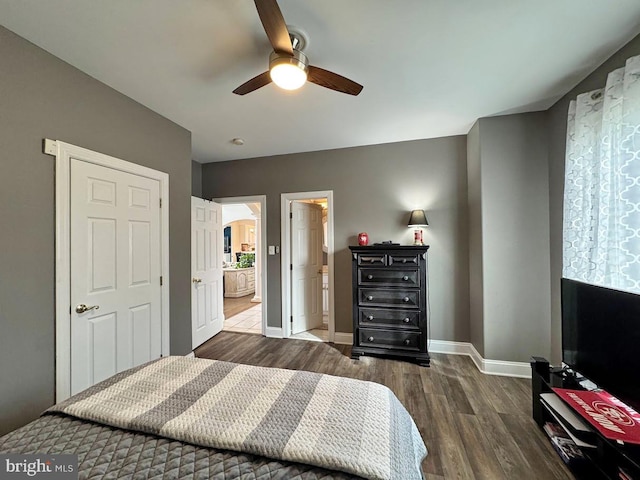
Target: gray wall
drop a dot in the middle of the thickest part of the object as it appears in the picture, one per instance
(196, 179)
(374, 188)
(476, 302)
(557, 124)
(41, 96)
(509, 203)
(515, 236)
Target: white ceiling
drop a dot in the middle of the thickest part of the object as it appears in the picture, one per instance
(233, 212)
(429, 68)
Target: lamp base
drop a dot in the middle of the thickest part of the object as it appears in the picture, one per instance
(417, 237)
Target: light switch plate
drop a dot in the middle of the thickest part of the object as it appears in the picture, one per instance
(272, 250)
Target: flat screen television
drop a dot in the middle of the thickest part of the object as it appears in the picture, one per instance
(601, 337)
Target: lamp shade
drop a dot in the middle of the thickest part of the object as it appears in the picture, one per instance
(417, 219)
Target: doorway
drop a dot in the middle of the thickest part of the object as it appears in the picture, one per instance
(244, 264)
(307, 282)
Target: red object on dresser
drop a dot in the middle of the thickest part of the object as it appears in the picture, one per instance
(363, 239)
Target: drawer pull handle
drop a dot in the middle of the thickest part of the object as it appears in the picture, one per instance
(407, 341)
(373, 260)
(369, 277)
(405, 299)
(370, 339)
(406, 320)
(405, 278)
(369, 297)
(370, 317)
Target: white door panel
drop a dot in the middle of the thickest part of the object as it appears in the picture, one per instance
(115, 264)
(206, 269)
(306, 260)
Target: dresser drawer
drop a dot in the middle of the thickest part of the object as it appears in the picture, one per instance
(388, 277)
(393, 339)
(381, 297)
(403, 259)
(380, 317)
(373, 259)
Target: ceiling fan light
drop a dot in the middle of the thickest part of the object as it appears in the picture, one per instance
(288, 72)
(287, 76)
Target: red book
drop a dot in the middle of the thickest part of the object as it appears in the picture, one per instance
(606, 413)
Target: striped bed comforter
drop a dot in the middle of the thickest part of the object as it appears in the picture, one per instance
(332, 422)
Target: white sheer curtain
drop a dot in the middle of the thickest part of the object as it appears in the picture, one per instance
(601, 229)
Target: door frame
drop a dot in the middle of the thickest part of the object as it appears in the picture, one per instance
(285, 259)
(64, 152)
(262, 200)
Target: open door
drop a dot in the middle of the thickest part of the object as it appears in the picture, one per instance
(306, 266)
(207, 315)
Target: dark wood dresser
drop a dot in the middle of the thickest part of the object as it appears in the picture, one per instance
(390, 301)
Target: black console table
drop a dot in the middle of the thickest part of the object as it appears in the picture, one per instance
(602, 462)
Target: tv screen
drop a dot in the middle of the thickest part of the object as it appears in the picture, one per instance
(601, 337)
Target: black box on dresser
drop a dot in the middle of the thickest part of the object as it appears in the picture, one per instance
(389, 285)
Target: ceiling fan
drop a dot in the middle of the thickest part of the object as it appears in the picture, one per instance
(288, 67)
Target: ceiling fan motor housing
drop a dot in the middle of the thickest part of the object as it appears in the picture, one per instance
(298, 59)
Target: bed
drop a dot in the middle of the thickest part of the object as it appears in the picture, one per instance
(182, 418)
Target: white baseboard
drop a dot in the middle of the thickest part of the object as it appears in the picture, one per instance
(490, 367)
(191, 355)
(343, 338)
(273, 332)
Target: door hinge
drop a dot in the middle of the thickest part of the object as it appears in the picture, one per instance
(291, 215)
(160, 203)
(291, 318)
(291, 266)
(160, 280)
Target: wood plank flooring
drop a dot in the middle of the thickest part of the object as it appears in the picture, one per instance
(475, 426)
(234, 306)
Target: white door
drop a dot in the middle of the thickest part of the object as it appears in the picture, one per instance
(207, 314)
(306, 261)
(115, 272)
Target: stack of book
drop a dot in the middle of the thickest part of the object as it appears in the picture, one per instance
(567, 448)
(623, 474)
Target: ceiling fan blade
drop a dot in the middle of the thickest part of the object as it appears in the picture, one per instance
(331, 80)
(253, 84)
(274, 25)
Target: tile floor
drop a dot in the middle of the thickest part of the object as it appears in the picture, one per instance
(249, 321)
(315, 335)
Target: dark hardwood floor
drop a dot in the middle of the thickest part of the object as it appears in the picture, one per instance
(475, 426)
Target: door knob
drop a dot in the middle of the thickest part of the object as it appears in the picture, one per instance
(83, 308)
(196, 280)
